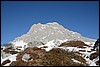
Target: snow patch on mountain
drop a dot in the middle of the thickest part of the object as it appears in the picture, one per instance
(52, 44)
(11, 58)
(49, 45)
(19, 44)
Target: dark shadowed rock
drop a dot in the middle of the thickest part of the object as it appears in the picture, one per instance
(5, 62)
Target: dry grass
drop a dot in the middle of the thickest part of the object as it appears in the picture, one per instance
(59, 57)
(78, 44)
(18, 63)
(55, 57)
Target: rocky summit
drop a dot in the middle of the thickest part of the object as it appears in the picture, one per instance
(50, 31)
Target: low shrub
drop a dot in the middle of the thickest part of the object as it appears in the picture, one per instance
(54, 57)
(78, 44)
(18, 63)
(59, 57)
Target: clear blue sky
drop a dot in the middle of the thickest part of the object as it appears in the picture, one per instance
(18, 16)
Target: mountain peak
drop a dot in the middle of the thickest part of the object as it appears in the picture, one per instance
(50, 31)
(52, 23)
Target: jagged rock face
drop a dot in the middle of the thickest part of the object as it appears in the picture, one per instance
(50, 31)
(34, 44)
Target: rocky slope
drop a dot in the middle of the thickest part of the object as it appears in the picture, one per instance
(50, 31)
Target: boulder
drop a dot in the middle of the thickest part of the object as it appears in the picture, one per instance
(26, 57)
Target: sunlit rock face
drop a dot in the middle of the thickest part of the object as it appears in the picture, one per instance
(50, 31)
